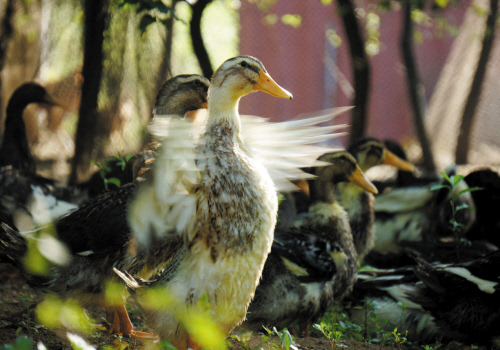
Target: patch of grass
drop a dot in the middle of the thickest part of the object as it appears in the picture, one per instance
(22, 343)
(26, 321)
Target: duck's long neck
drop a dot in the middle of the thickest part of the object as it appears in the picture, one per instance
(15, 149)
(322, 191)
(223, 112)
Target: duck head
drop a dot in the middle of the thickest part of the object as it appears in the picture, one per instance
(237, 77)
(370, 152)
(343, 168)
(182, 94)
(29, 93)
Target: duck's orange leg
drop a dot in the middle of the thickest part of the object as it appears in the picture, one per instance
(120, 323)
(191, 344)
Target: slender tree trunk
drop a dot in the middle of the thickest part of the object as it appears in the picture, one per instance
(6, 32)
(165, 68)
(96, 14)
(198, 45)
(467, 124)
(360, 66)
(415, 89)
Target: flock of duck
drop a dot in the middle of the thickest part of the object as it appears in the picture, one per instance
(199, 218)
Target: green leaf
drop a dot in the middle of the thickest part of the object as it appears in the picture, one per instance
(165, 345)
(441, 3)
(461, 206)
(457, 178)
(438, 187)
(146, 20)
(286, 339)
(114, 181)
(446, 177)
(470, 189)
(292, 20)
(264, 338)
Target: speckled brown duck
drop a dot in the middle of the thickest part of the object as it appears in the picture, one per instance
(219, 194)
(294, 288)
(358, 202)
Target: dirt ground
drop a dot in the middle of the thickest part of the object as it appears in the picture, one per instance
(13, 322)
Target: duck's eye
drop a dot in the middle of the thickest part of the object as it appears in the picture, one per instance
(244, 64)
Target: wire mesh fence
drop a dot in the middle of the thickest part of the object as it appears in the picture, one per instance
(302, 44)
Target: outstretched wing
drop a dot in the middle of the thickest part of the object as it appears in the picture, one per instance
(165, 203)
(284, 148)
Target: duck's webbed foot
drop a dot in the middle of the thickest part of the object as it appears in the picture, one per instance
(120, 323)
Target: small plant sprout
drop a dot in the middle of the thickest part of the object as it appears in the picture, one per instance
(398, 339)
(25, 302)
(104, 169)
(286, 339)
(452, 183)
(332, 335)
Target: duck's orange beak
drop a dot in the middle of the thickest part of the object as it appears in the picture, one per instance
(394, 160)
(359, 178)
(268, 85)
(204, 105)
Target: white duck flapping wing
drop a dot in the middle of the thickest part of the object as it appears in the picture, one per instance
(285, 147)
(165, 203)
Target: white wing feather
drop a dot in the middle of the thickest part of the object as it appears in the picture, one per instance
(284, 148)
(165, 204)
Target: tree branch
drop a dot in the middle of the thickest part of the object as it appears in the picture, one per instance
(198, 45)
(360, 66)
(96, 13)
(415, 89)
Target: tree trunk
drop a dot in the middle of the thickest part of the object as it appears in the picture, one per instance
(415, 89)
(198, 45)
(360, 66)
(6, 32)
(165, 68)
(96, 13)
(466, 126)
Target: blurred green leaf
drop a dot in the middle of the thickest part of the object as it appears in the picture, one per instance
(114, 181)
(292, 20)
(446, 177)
(438, 187)
(441, 3)
(470, 189)
(456, 178)
(286, 339)
(21, 343)
(461, 206)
